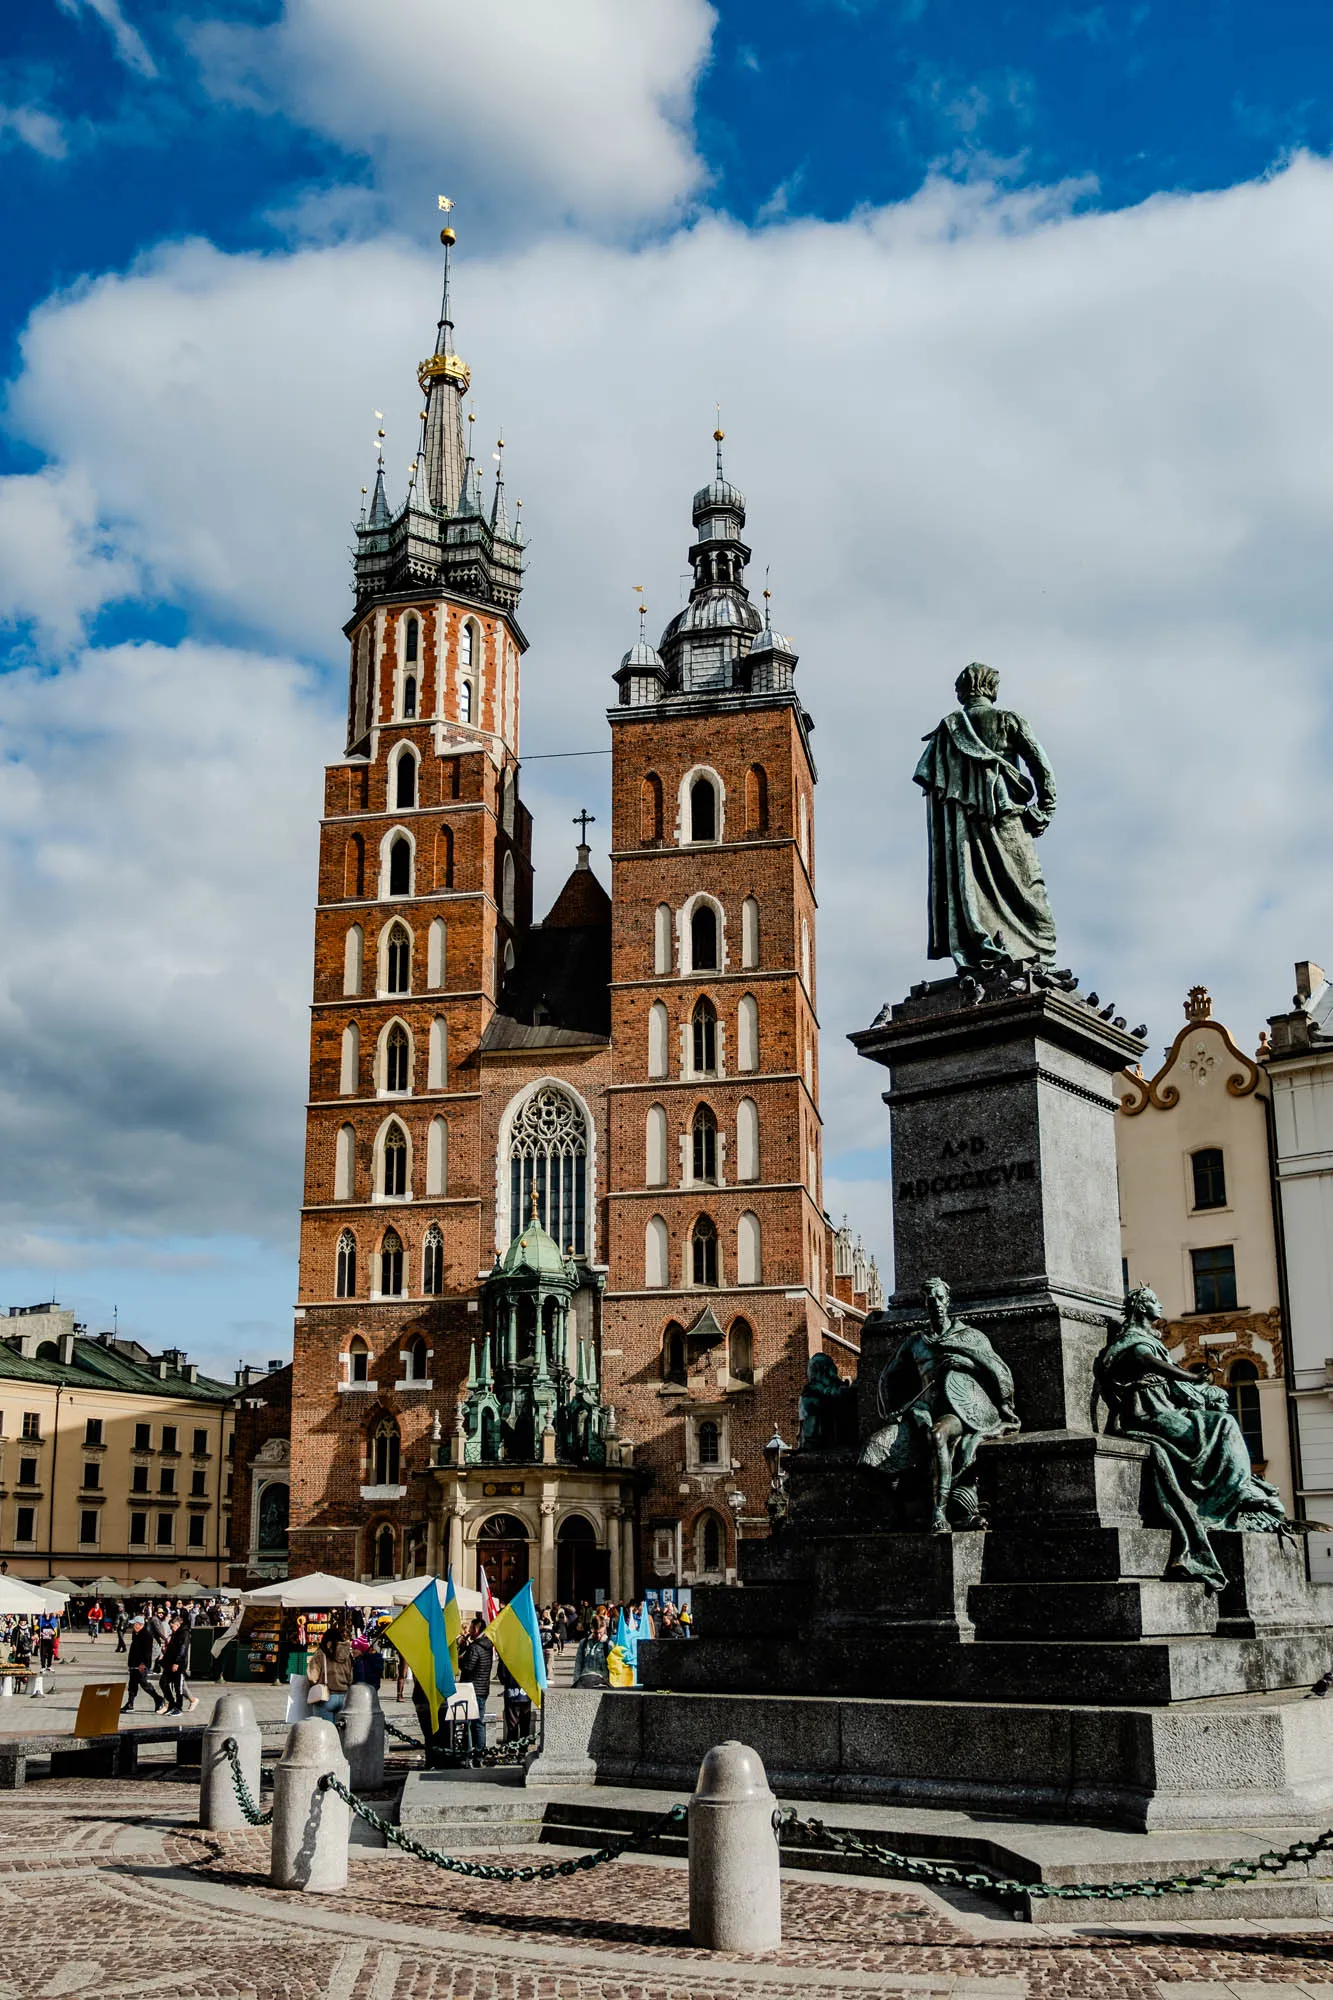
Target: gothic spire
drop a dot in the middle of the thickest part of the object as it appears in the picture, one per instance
(444, 380)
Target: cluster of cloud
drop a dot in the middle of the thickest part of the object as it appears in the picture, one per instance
(986, 423)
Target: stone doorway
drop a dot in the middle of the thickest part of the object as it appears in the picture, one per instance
(502, 1551)
(581, 1568)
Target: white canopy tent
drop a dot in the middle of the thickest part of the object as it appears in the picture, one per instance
(317, 1593)
(469, 1601)
(15, 1595)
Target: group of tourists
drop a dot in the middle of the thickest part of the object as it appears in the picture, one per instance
(159, 1644)
(597, 1636)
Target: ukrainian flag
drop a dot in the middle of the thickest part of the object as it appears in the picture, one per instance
(421, 1636)
(516, 1637)
(453, 1622)
(622, 1659)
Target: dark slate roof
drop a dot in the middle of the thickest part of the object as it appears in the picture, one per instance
(559, 992)
(97, 1367)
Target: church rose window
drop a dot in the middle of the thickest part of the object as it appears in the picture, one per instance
(548, 1150)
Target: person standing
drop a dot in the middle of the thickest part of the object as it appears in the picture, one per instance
(46, 1641)
(476, 1662)
(122, 1627)
(175, 1653)
(139, 1663)
(590, 1662)
(330, 1666)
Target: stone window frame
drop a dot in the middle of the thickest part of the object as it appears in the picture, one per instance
(687, 783)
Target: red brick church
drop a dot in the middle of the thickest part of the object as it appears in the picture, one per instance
(564, 1258)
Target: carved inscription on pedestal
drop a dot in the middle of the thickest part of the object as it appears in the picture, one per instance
(965, 1169)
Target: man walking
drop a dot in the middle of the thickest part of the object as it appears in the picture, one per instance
(175, 1655)
(476, 1660)
(139, 1661)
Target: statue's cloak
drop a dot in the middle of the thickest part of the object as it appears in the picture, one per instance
(987, 892)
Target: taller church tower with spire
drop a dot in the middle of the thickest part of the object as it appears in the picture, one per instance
(563, 1255)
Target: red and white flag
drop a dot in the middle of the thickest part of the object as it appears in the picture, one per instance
(490, 1610)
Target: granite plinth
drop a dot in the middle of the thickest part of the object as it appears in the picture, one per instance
(1004, 1183)
(1264, 1760)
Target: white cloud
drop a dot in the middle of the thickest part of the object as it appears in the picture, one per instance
(976, 425)
(57, 565)
(29, 125)
(537, 112)
(129, 45)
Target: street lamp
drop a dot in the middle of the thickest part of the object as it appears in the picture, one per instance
(778, 1496)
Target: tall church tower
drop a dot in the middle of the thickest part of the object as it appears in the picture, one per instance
(716, 1292)
(425, 895)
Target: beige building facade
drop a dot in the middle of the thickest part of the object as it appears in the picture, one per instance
(113, 1461)
(1196, 1218)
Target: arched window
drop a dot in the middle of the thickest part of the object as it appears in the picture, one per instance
(391, 1265)
(673, 1353)
(703, 938)
(409, 713)
(384, 1453)
(740, 1351)
(346, 1275)
(465, 643)
(507, 893)
(395, 1162)
(747, 1140)
(703, 1145)
(749, 1257)
(662, 938)
(1210, 1179)
(344, 1163)
(1243, 1396)
(437, 946)
(657, 1039)
(655, 1147)
(358, 1360)
(416, 1357)
(398, 961)
(465, 701)
(749, 932)
(703, 1252)
(650, 810)
(655, 1254)
(508, 790)
(405, 777)
(803, 824)
(352, 961)
(349, 1071)
(400, 867)
(710, 1442)
(703, 1038)
(397, 1059)
(411, 641)
(432, 1263)
(444, 859)
(548, 1150)
(437, 1070)
(354, 867)
(437, 1157)
(710, 1545)
(805, 954)
(703, 809)
(747, 1033)
(756, 799)
(384, 1547)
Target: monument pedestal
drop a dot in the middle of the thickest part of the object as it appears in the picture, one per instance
(1052, 1662)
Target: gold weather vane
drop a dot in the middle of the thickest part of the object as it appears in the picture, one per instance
(445, 203)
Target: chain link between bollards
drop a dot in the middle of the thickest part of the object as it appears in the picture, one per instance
(247, 1805)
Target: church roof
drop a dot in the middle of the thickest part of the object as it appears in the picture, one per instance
(534, 1250)
(559, 992)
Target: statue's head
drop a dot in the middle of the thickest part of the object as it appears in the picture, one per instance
(1143, 1305)
(977, 683)
(822, 1371)
(936, 1294)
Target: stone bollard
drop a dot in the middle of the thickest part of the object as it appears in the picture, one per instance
(234, 1716)
(735, 1890)
(363, 1737)
(310, 1826)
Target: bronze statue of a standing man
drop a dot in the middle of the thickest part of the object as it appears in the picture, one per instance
(990, 793)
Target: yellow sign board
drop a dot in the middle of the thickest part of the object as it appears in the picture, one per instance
(99, 1709)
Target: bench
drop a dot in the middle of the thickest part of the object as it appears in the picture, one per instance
(93, 1756)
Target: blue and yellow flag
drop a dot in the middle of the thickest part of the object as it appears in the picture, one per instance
(622, 1657)
(453, 1622)
(516, 1637)
(421, 1637)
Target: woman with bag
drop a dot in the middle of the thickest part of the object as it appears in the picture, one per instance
(329, 1672)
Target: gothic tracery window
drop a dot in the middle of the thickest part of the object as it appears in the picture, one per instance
(346, 1274)
(432, 1262)
(548, 1150)
(391, 1265)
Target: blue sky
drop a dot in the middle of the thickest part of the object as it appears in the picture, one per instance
(1019, 322)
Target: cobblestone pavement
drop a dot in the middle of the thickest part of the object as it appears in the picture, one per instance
(108, 1889)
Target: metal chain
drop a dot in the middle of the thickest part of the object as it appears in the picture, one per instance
(1007, 1889)
(487, 1872)
(401, 1735)
(243, 1799)
(500, 1753)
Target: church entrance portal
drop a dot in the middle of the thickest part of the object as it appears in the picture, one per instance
(581, 1568)
(502, 1551)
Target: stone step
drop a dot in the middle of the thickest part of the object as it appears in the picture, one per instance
(1134, 1608)
(1088, 1555)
